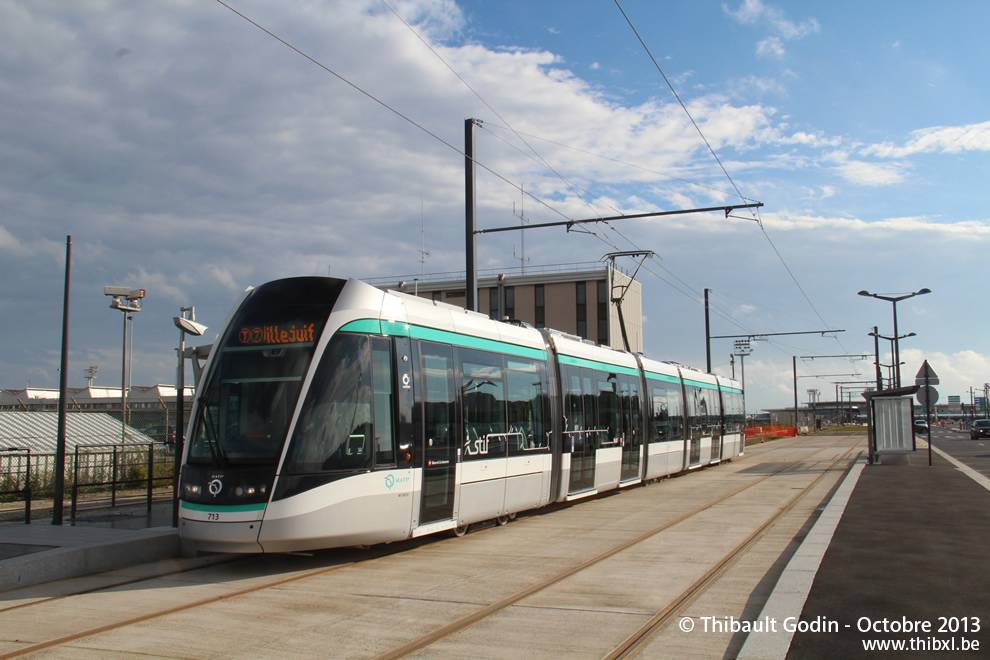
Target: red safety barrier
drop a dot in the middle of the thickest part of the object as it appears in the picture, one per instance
(770, 431)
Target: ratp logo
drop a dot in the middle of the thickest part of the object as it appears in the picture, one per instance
(215, 487)
(390, 480)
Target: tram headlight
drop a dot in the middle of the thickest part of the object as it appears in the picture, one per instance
(193, 490)
(250, 490)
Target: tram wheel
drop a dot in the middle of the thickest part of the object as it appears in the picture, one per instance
(459, 531)
(502, 520)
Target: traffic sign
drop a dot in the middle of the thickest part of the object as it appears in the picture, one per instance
(927, 397)
(926, 375)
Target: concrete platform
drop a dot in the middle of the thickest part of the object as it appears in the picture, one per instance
(911, 546)
(42, 552)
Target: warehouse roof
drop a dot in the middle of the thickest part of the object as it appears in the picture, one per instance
(38, 431)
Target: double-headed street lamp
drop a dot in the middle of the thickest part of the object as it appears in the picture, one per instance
(897, 348)
(894, 365)
(126, 300)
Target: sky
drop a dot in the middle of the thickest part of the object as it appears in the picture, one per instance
(194, 149)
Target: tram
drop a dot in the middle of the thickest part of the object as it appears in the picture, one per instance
(331, 413)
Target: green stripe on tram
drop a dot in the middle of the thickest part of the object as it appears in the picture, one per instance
(652, 375)
(599, 366)
(370, 326)
(698, 383)
(223, 508)
(393, 329)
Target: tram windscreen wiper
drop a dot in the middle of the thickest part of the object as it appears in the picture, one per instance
(212, 440)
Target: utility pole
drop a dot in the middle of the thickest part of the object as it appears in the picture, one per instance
(58, 498)
(523, 220)
(708, 334)
(470, 198)
(876, 350)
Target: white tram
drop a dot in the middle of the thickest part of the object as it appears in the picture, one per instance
(331, 413)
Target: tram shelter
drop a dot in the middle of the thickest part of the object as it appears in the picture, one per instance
(891, 419)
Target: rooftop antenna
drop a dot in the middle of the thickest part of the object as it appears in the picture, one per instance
(90, 374)
(423, 254)
(523, 220)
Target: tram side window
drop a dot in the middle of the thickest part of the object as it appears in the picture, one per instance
(661, 414)
(631, 409)
(608, 407)
(572, 392)
(667, 415)
(526, 389)
(438, 404)
(735, 416)
(381, 359)
(703, 409)
(714, 405)
(334, 431)
(483, 400)
(590, 404)
(697, 410)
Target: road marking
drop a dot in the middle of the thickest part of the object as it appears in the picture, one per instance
(965, 469)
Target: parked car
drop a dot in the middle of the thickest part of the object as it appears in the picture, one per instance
(980, 429)
(921, 426)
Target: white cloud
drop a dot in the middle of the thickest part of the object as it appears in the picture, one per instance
(8, 242)
(938, 139)
(755, 12)
(865, 173)
(851, 229)
(770, 47)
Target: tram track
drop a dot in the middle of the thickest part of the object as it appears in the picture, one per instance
(632, 644)
(636, 641)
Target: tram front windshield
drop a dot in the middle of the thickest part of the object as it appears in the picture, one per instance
(254, 384)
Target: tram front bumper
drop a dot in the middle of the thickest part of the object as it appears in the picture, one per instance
(221, 528)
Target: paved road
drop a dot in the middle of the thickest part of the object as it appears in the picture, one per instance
(974, 453)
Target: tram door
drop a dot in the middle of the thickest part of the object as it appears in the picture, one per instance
(439, 432)
(581, 418)
(718, 427)
(632, 441)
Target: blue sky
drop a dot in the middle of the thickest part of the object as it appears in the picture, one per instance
(189, 153)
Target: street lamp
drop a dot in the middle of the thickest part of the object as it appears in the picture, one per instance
(186, 325)
(895, 300)
(893, 363)
(742, 349)
(127, 301)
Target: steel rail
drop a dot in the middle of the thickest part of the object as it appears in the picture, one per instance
(639, 639)
(466, 621)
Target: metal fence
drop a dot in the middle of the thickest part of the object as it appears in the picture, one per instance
(100, 470)
(97, 476)
(131, 470)
(15, 480)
